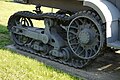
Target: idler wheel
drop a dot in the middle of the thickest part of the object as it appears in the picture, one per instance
(19, 21)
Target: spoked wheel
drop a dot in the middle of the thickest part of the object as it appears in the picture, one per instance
(85, 35)
(21, 22)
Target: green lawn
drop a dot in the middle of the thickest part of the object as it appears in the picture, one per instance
(18, 67)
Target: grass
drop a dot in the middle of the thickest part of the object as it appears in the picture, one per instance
(4, 37)
(13, 67)
(18, 67)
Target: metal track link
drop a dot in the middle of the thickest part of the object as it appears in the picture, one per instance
(32, 15)
(48, 57)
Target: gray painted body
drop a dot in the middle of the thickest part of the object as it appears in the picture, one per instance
(116, 3)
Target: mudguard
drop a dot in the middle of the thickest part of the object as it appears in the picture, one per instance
(109, 15)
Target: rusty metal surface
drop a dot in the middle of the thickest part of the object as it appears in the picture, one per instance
(106, 67)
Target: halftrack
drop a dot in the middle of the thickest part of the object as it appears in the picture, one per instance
(75, 35)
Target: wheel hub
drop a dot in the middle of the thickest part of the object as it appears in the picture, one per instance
(84, 37)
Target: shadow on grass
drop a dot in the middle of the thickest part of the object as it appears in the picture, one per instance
(4, 36)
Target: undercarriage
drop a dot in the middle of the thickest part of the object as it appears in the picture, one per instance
(71, 38)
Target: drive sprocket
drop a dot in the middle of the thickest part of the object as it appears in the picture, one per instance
(85, 34)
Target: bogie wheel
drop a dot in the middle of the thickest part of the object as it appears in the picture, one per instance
(16, 20)
(85, 34)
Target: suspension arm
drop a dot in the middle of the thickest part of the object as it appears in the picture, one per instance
(35, 33)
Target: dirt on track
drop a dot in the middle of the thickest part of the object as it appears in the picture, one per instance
(106, 67)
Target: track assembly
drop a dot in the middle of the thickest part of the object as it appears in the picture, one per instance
(53, 41)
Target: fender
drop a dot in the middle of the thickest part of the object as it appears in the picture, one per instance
(109, 15)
